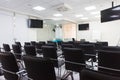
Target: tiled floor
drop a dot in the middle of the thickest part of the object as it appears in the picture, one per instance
(2, 78)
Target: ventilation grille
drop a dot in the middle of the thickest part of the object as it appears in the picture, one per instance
(63, 7)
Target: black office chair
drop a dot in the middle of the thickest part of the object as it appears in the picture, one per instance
(42, 42)
(95, 75)
(33, 43)
(6, 47)
(67, 46)
(89, 53)
(108, 62)
(98, 46)
(18, 43)
(111, 48)
(10, 67)
(38, 47)
(27, 43)
(50, 52)
(51, 44)
(17, 51)
(39, 68)
(103, 43)
(74, 59)
(30, 50)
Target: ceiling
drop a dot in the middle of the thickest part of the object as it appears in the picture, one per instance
(76, 5)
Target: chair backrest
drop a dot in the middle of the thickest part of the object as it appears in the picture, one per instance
(50, 52)
(39, 68)
(98, 46)
(103, 43)
(42, 42)
(18, 43)
(8, 62)
(33, 43)
(95, 75)
(27, 43)
(38, 46)
(111, 48)
(88, 48)
(30, 50)
(51, 44)
(109, 59)
(6, 47)
(16, 49)
(74, 55)
(67, 46)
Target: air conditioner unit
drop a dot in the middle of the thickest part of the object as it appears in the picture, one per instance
(62, 7)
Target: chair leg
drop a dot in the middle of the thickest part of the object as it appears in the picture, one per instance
(92, 63)
(79, 76)
(72, 76)
(58, 71)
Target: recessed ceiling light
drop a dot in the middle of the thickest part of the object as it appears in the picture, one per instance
(90, 8)
(84, 18)
(57, 15)
(80, 15)
(38, 8)
(97, 12)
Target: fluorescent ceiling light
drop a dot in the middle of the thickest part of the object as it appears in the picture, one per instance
(90, 8)
(84, 18)
(80, 15)
(38, 8)
(57, 15)
(56, 19)
(97, 12)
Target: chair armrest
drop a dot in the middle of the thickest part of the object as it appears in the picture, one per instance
(15, 73)
(66, 75)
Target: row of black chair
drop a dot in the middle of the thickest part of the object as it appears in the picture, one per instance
(74, 54)
(37, 68)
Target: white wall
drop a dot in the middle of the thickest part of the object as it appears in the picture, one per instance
(108, 31)
(16, 28)
(21, 31)
(6, 27)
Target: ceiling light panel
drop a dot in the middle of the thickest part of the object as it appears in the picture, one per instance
(80, 15)
(90, 8)
(84, 18)
(38, 8)
(57, 15)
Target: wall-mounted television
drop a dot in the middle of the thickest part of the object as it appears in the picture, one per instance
(35, 23)
(110, 14)
(83, 27)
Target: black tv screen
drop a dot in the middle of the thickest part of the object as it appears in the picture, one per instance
(35, 23)
(83, 26)
(110, 14)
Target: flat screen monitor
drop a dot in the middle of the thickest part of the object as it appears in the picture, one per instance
(83, 26)
(110, 14)
(35, 23)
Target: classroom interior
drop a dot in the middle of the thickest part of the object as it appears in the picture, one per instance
(60, 40)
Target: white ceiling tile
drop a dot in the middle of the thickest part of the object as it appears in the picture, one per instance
(77, 7)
